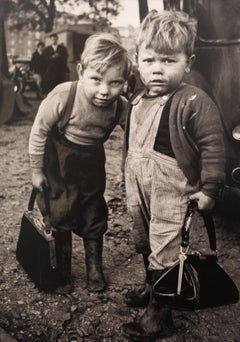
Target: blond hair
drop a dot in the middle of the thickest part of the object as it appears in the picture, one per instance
(168, 31)
(103, 50)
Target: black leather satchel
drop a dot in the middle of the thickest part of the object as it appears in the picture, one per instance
(196, 281)
(45, 255)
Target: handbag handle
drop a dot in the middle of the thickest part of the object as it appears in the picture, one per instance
(210, 226)
(208, 221)
(46, 212)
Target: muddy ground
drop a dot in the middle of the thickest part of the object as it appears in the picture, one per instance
(29, 315)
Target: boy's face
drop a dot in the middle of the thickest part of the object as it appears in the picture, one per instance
(162, 73)
(102, 89)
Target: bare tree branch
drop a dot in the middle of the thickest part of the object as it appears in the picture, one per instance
(43, 12)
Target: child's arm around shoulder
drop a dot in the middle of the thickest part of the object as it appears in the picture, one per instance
(39, 179)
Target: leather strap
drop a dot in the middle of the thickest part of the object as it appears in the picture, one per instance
(45, 197)
(208, 221)
(32, 199)
(192, 207)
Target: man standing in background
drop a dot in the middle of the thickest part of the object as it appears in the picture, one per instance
(56, 58)
(38, 67)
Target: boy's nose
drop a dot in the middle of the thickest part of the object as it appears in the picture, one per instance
(158, 68)
(103, 90)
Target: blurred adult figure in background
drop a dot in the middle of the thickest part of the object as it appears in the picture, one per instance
(56, 57)
(38, 67)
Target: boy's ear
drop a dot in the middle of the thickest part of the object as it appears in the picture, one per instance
(190, 62)
(79, 69)
(136, 57)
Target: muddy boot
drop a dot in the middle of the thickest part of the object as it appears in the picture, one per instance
(140, 297)
(156, 322)
(93, 258)
(64, 261)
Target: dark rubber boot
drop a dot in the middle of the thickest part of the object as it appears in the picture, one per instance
(140, 297)
(93, 257)
(156, 322)
(63, 242)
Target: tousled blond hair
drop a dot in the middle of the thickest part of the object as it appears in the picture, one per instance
(103, 50)
(168, 31)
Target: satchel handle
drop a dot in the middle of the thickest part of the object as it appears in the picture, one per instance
(46, 213)
(32, 199)
(208, 221)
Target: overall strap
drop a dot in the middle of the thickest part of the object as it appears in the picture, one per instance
(68, 108)
(133, 99)
(118, 110)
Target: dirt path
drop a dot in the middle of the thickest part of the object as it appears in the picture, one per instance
(32, 316)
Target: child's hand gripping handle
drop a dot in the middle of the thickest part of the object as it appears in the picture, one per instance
(45, 208)
(39, 180)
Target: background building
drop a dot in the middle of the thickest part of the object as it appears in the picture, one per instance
(71, 32)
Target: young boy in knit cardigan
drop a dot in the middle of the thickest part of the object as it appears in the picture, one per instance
(175, 152)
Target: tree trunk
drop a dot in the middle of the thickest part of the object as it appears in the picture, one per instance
(6, 85)
(3, 50)
(143, 9)
(51, 16)
(171, 5)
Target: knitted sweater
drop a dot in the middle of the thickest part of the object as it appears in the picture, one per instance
(88, 124)
(196, 137)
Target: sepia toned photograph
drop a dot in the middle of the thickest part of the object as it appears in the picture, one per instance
(120, 170)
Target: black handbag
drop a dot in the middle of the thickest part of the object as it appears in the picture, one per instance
(196, 281)
(44, 254)
(229, 201)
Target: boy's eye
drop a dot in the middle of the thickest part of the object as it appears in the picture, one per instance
(168, 60)
(96, 79)
(116, 83)
(147, 60)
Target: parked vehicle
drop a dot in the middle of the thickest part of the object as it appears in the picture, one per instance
(217, 70)
(21, 75)
(6, 87)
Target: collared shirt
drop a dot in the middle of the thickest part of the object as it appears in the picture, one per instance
(54, 47)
